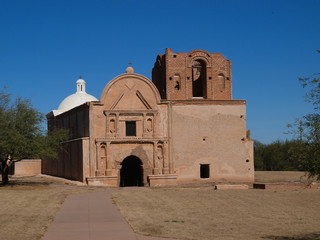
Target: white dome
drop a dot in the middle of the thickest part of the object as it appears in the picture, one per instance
(76, 99)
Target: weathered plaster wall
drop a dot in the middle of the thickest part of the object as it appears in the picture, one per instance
(215, 135)
(73, 159)
(128, 97)
(85, 158)
(69, 163)
(174, 136)
(27, 167)
(144, 151)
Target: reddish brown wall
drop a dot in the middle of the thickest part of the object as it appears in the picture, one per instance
(76, 121)
(159, 75)
(69, 164)
(180, 64)
(70, 161)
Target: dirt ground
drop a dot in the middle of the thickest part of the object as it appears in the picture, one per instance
(281, 177)
(28, 205)
(204, 213)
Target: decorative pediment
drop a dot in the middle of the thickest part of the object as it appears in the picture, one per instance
(130, 92)
(130, 100)
(143, 100)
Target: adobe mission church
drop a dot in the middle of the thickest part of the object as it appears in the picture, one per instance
(181, 128)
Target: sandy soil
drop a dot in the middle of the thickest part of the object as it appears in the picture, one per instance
(281, 177)
(28, 205)
(204, 213)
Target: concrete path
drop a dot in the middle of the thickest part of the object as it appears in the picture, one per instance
(91, 216)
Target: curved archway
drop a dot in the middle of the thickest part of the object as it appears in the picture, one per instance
(199, 78)
(131, 173)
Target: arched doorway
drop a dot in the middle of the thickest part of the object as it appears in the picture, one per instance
(199, 79)
(131, 173)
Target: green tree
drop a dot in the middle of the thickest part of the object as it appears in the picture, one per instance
(22, 135)
(276, 156)
(308, 128)
(259, 155)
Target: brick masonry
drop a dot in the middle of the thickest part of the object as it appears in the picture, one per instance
(173, 75)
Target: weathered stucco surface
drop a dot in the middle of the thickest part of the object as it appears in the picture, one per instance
(194, 132)
(214, 135)
(27, 167)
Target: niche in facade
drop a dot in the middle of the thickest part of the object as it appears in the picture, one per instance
(112, 125)
(221, 82)
(149, 125)
(103, 157)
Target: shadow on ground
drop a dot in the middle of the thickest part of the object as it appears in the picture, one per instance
(23, 182)
(310, 236)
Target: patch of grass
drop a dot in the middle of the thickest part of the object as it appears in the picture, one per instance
(174, 221)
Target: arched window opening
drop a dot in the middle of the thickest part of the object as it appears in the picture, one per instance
(149, 125)
(103, 157)
(160, 156)
(177, 81)
(199, 79)
(112, 126)
(131, 173)
(221, 82)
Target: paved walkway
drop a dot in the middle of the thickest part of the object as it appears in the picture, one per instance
(91, 216)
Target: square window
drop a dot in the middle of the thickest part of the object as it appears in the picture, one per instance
(130, 128)
(204, 170)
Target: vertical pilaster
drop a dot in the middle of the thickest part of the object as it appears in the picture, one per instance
(144, 127)
(155, 159)
(108, 159)
(165, 169)
(171, 166)
(116, 125)
(97, 159)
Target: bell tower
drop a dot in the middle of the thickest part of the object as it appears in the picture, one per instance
(196, 75)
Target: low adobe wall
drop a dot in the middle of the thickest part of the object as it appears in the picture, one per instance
(27, 167)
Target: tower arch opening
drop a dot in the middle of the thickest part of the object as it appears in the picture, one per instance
(131, 173)
(199, 79)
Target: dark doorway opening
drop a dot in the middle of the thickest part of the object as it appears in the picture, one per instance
(131, 173)
(199, 79)
(204, 170)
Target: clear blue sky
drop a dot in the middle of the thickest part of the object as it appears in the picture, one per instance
(46, 45)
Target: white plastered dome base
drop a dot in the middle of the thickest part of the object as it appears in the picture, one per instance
(76, 99)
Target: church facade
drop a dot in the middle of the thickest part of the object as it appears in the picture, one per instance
(182, 127)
